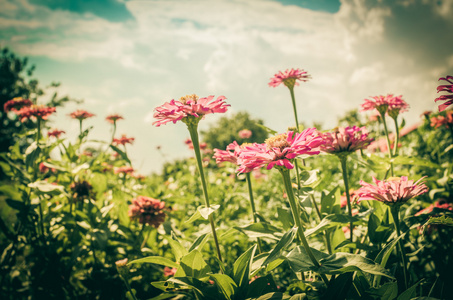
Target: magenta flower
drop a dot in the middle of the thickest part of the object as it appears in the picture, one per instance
(190, 105)
(393, 105)
(231, 153)
(289, 78)
(347, 139)
(392, 191)
(147, 210)
(280, 150)
(445, 88)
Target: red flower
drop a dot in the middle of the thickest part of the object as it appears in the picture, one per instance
(190, 105)
(35, 111)
(442, 204)
(123, 140)
(445, 88)
(147, 210)
(169, 271)
(81, 114)
(16, 104)
(113, 118)
(55, 133)
(289, 78)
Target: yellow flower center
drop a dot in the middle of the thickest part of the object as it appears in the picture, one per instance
(278, 141)
(186, 98)
(397, 179)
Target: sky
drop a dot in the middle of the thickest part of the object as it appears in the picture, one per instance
(129, 57)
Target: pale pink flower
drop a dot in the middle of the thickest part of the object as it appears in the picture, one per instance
(279, 150)
(34, 111)
(124, 170)
(231, 153)
(123, 140)
(289, 78)
(348, 139)
(245, 134)
(113, 118)
(445, 88)
(55, 133)
(81, 114)
(190, 105)
(16, 104)
(386, 104)
(394, 190)
(147, 210)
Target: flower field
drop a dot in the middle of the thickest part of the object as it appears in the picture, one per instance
(360, 211)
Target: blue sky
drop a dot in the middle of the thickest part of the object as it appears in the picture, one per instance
(130, 56)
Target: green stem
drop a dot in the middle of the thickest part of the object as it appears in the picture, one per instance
(293, 99)
(348, 197)
(395, 214)
(126, 282)
(252, 204)
(397, 137)
(296, 215)
(80, 128)
(38, 133)
(388, 141)
(196, 146)
(114, 131)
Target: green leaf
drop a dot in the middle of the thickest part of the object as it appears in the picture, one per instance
(32, 154)
(121, 153)
(46, 187)
(329, 203)
(442, 220)
(193, 265)
(299, 297)
(299, 261)
(339, 287)
(256, 230)
(178, 250)
(331, 221)
(200, 242)
(225, 284)
(407, 294)
(158, 260)
(281, 246)
(241, 267)
(388, 291)
(340, 263)
(274, 296)
(77, 169)
(414, 161)
(203, 211)
(19, 205)
(285, 216)
(264, 287)
(355, 245)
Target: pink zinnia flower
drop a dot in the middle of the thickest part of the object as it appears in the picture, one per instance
(169, 271)
(347, 139)
(231, 153)
(81, 114)
(394, 190)
(445, 88)
(124, 170)
(123, 140)
(55, 133)
(113, 118)
(289, 78)
(245, 134)
(35, 111)
(441, 204)
(280, 150)
(147, 210)
(16, 104)
(190, 105)
(393, 105)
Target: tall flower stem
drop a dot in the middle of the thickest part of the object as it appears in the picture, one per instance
(114, 131)
(397, 137)
(252, 204)
(343, 159)
(293, 100)
(80, 128)
(388, 141)
(395, 214)
(193, 130)
(296, 215)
